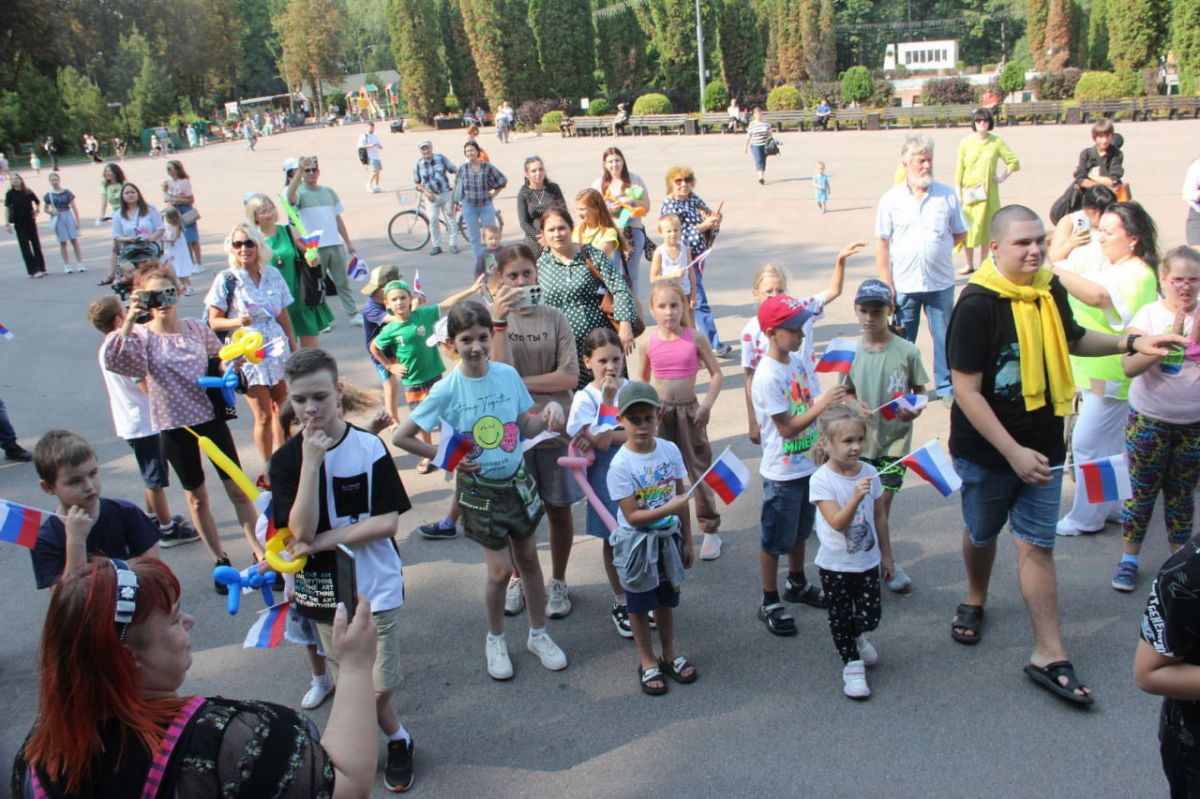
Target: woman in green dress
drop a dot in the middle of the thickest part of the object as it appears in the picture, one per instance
(977, 183)
(307, 320)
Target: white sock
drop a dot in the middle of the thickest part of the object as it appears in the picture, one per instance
(322, 680)
(499, 637)
(400, 735)
(536, 631)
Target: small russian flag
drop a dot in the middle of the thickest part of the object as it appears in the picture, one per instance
(357, 269)
(452, 448)
(606, 419)
(1106, 480)
(416, 286)
(19, 523)
(275, 349)
(267, 632)
(312, 240)
(932, 464)
(5, 332)
(902, 402)
(728, 476)
(265, 504)
(839, 356)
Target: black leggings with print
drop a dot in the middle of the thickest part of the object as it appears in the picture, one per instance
(854, 607)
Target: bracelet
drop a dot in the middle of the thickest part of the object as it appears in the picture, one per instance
(1129, 339)
(499, 325)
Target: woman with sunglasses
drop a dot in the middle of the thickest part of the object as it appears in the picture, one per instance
(253, 295)
(476, 184)
(615, 179)
(171, 355)
(111, 720)
(538, 194)
(698, 222)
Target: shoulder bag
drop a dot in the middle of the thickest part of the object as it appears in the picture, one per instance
(606, 304)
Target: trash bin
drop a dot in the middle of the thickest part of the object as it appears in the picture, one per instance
(1074, 115)
(873, 121)
(691, 127)
(398, 125)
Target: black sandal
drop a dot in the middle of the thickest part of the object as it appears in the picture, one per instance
(676, 668)
(1047, 677)
(967, 617)
(809, 595)
(777, 619)
(651, 675)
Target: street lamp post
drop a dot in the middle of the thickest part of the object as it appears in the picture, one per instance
(700, 53)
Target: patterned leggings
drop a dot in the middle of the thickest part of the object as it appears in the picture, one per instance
(854, 607)
(1166, 457)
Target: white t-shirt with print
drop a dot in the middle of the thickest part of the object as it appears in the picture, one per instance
(754, 341)
(780, 387)
(584, 406)
(650, 478)
(857, 549)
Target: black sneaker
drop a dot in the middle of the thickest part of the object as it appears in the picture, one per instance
(434, 531)
(180, 533)
(807, 593)
(398, 773)
(18, 454)
(620, 619)
(221, 588)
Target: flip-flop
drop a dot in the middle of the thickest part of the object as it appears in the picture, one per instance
(967, 617)
(675, 670)
(652, 674)
(1047, 677)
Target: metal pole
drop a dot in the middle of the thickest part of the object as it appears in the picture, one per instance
(700, 53)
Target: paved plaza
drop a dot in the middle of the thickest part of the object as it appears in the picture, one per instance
(767, 716)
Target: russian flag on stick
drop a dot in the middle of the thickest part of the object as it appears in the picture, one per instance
(1105, 480)
(890, 410)
(838, 357)
(267, 632)
(452, 448)
(19, 523)
(416, 286)
(311, 241)
(357, 269)
(606, 419)
(5, 333)
(932, 465)
(728, 477)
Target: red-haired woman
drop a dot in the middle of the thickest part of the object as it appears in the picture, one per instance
(111, 720)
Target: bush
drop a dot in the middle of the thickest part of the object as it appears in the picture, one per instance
(530, 112)
(1099, 86)
(453, 106)
(1012, 79)
(716, 96)
(812, 92)
(652, 103)
(599, 107)
(550, 121)
(785, 98)
(882, 95)
(1055, 85)
(857, 85)
(947, 91)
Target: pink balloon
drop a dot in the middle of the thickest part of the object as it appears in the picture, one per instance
(578, 465)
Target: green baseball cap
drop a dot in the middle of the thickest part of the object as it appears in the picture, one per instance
(637, 393)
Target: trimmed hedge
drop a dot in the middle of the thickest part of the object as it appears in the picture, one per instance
(652, 103)
(599, 107)
(947, 91)
(1100, 86)
(785, 98)
(1055, 85)
(551, 120)
(716, 96)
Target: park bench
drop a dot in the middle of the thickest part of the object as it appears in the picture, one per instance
(1105, 108)
(1035, 112)
(1172, 106)
(849, 116)
(593, 126)
(778, 120)
(916, 115)
(716, 120)
(657, 123)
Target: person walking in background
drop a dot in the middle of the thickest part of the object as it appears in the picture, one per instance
(21, 208)
(480, 182)
(758, 135)
(374, 150)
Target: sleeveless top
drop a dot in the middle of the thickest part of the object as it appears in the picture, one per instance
(672, 269)
(673, 360)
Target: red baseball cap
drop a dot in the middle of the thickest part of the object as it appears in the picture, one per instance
(782, 311)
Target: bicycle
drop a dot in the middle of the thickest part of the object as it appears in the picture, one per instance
(409, 229)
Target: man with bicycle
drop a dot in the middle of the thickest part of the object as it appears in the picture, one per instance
(430, 177)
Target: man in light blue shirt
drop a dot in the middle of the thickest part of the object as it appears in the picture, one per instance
(918, 224)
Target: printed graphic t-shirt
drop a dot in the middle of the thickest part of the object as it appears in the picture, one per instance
(1169, 624)
(649, 478)
(780, 387)
(406, 342)
(856, 549)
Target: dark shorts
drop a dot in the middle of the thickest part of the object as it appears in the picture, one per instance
(787, 515)
(152, 463)
(555, 483)
(891, 481)
(493, 511)
(183, 451)
(990, 497)
(645, 601)
(413, 395)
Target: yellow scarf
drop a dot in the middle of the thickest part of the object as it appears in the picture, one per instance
(1040, 337)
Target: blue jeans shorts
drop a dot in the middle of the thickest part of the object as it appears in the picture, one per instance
(787, 515)
(645, 601)
(992, 496)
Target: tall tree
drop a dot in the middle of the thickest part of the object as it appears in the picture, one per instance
(456, 52)
(1137, 36)
(740, 47)
(562, 30)
(1097, 35)
(83, 106)
(1035, 20)
(810, 37)
(1185, 41)
(310, 33)
(1057, 41)
(825, 59)
(367, 45)
(257, 51)
(622, 49)
(415, 34)
(498, 31)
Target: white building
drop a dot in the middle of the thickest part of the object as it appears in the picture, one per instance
(922, 56)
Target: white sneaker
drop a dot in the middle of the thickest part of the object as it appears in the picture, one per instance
(900, 582)
(499, 664)
(81, 268)
(547, 651)
(370, 189)
(67, 270)
(854, 680)
(317, 693)
(355, 321)
(558, 603)
(867, 651)
(514, 597)
(710, 548)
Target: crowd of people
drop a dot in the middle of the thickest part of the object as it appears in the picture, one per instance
(559, 344)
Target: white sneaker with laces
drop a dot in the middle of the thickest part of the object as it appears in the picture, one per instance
(499, 665)
(854, 680)
(710, 548)
(67, 270)
(558, 603)
(514, 597)
(317, 693)
(867, 651)
(547, 651)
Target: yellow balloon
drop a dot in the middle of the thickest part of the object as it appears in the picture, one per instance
(275, 548)
(226, 465)
(242, 344)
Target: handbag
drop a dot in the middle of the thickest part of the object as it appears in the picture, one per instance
(648, 248)
(974, 194)
(772, 147)
(189, 217)
(606, 304)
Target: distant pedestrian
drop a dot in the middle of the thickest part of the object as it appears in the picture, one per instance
(373, 148)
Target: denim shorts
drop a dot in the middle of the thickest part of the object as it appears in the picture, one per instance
(787, 514)
(992, 496)
(381, 370)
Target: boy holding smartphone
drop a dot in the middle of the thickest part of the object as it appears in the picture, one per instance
(335, 484)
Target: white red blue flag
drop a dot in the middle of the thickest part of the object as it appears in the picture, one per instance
(5, 333)
(839, 356)
(310, 241)
(357, 269)
(727, 477)
(910, 402)
(932, 464)
(19, 523)
(452, 448)
(1105, 480)
(416, 286)
(267, 632)
(606, 419)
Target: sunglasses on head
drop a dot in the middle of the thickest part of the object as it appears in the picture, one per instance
(247, 244)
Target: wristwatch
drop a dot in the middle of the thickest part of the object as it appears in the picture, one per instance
(1132, 337)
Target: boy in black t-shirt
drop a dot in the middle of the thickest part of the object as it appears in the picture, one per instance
(68, 470)
(1007, 346)
(1168, 664)
(336, 484)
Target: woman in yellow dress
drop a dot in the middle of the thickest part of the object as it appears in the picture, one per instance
(977, 184)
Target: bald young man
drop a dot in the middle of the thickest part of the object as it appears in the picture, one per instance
(1006, 428)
